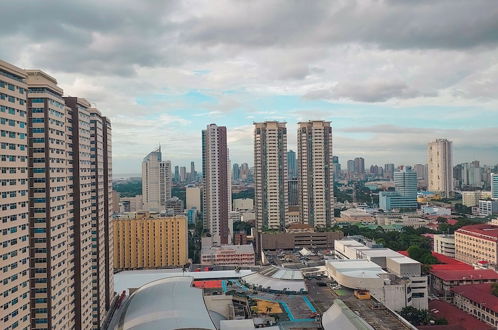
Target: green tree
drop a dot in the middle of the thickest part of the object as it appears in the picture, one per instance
(415, 316)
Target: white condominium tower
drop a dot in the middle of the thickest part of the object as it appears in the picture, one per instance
(270, 174)
(315, 177)
(156, 181)
(440, 160)
(216, 183)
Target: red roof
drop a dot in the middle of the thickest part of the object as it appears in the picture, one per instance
(452, 221)
(214, 284)
(448, 263)
(479, 230)
(455, 317)
(479, 293)
(457, 275)
(445, 263)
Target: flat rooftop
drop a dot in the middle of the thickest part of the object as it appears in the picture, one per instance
(136, 278)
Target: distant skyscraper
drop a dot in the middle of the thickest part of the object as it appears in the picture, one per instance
(177, 173)
(316, 195)
(359, 165)
(405, 195)
(388, 171)
(217, 185)
(156, 181)
(421, 171)
(337, 167)
(494, 185)
(440, 159)
(244, 172)
(270, 165)
(183, 174)
(291, 164)
(350, 166)
(235, 172)
(293, 192)
(193, 173)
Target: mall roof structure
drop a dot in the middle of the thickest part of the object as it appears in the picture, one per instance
(166, 304)
(277, 279)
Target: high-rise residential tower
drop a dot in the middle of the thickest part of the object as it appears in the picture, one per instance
(66, 194)
(291, 165)
(156, 181)
(102, 229)
(14, 202)
(316, 190)
(235, 172)
(359, 165)
(494, 185)
(216, 183)
(270, 174)
(440, 166)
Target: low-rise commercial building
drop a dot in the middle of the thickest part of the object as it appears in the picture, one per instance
(392, 278)
(488, 207)
(477, 243)
(356, 215)
(477, 300)
(442, 281)
(471, 198)
(173, 206)
(444, 244)
(131, 204)
(148, 241)
(289, 241)
(240, 255)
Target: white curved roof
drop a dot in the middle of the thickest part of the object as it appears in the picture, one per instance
(277, 278)
(339, 316)
(166, 304)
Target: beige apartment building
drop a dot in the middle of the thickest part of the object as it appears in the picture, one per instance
(477, 243)
(148, 241)
(440, 166)
(270, 175)
(14, 199)
(315, 176)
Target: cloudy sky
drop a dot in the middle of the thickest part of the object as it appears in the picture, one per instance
(390, 75)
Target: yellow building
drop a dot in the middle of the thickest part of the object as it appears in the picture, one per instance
(146, 241)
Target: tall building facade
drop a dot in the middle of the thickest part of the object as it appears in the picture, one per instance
(156, 181)
(216, 183)
(147, 242)
(66, 185)
(270, 174)
(102, 230)
(440, 168)
(291, 165)
(315, 177)
(14, 201)
(389, 171)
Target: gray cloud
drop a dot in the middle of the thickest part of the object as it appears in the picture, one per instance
(369, 91)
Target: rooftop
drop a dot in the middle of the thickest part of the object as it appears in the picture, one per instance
(484, 230)
(136, 278)
(244, 248)
(445, 263)
(479, 293)
(457, 319)
(457, 275)
(166, 304)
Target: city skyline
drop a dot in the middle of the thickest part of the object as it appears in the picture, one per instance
(376, 85)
